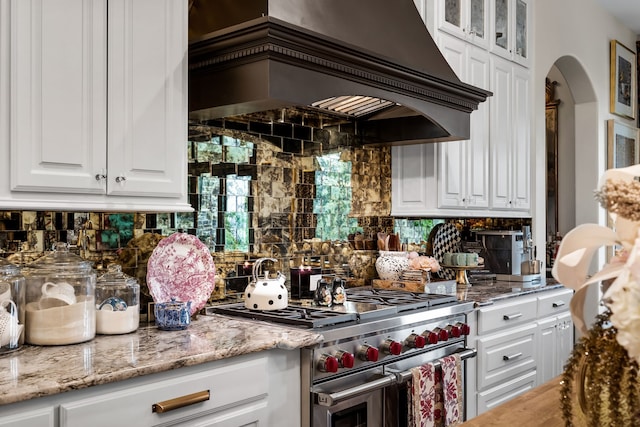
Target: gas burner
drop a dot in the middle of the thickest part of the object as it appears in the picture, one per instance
(305, 316)
(402, 300)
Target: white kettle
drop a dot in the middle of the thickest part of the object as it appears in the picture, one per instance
(264, 293)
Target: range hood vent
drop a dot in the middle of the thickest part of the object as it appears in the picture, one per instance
(370, 61)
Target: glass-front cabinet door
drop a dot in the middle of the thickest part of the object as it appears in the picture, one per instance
(509, 29)
(521, 34)
(501, 24)
(466, 19)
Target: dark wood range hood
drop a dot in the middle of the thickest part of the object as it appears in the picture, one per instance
(369, 61)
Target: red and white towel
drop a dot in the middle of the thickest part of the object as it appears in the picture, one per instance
(435, 395)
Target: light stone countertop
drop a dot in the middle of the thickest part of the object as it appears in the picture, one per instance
(489, 293)
(36, 371)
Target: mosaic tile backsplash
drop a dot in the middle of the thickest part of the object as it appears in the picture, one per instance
(254, 195)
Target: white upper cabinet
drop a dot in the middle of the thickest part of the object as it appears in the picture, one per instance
(490, 173)
(467, 19)
(98, 108)
(413, 180)
(510, 25)
(463, 172)
(147, 98)
(510, 137)
(58, 89)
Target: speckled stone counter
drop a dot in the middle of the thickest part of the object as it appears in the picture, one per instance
(488, 293)
(34, 371)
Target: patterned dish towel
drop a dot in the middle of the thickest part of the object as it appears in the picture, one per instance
(435, 395)
(452, 389)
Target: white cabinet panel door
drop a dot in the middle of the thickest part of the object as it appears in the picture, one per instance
(147, 131)
(58, 95)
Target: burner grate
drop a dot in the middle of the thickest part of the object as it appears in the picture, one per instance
(403, 300)
(308, 317)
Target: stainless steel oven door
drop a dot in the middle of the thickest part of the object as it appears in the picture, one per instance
(354, 401)
(364, 410)
(373, 398)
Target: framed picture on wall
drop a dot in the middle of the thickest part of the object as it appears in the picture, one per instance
(622, 91)
(622, 145)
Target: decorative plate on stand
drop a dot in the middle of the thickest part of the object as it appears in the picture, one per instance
(181, 267)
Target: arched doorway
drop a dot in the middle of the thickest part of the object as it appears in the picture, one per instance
(579, 153)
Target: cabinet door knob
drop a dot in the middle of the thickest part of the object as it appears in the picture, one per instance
(180, 402)
(121, 179)
(100, 176)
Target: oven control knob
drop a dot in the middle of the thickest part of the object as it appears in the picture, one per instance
(430, 336)
(416, 341)
(327, 363)
(443, 334)
(464, 328)
(391, 347)
(454, 331)
(345, 359)
(368, 353)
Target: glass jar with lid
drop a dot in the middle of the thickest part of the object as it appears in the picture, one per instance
(117, 302)
(60, 299)
(12, 289)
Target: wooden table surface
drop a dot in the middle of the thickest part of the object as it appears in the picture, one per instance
(538, 407)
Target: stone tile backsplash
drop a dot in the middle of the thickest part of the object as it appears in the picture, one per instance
(257, 191)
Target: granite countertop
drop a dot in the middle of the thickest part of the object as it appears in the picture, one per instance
(489, 293)
(35, 371)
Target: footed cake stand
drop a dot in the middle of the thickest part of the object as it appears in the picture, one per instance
(461, 273)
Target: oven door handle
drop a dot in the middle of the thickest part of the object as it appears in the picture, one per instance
(330, 399)
(467, 353)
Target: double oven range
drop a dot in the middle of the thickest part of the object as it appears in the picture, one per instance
(358, 375)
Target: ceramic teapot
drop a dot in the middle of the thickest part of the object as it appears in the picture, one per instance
(265, 293)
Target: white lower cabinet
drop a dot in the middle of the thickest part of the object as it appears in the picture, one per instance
(506, 391)
(522, 342)
(555, 335)
(241, 391)
(43, 417)
(221, 401)
(505, 355)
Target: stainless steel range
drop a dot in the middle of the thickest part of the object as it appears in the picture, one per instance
(358, 375)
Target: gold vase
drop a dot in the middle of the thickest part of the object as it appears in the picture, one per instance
(600, 386)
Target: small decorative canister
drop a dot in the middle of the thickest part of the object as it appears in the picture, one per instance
(12, 304)
(323, 293)
(338, 292)
(172, 315)
(117, 302)
(60, 299)
(391, 264)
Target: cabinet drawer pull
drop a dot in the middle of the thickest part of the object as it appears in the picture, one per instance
(513, 356)
(558, 304)
(180, 402)
(512, 316)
